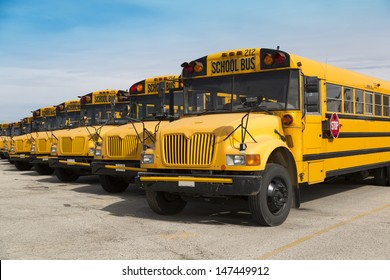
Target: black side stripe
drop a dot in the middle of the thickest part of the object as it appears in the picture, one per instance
(360, 117)
(363, 134)
(356, 169)
(345, 153)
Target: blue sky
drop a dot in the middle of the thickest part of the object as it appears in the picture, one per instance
(52, 51)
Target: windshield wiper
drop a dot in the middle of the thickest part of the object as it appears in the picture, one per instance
(263, 108)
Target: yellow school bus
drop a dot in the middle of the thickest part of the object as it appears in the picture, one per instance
(117, 161)
(19, 152)
(100, 111)
(49, 123)
(5, 137)
(288, 121)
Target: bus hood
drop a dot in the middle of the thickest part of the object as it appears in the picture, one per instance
(221, 125)
(131, 129)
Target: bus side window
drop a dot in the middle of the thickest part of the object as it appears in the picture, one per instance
(333, 98)
(312, 102)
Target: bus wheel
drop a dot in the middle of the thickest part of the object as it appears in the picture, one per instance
(113, 184)
(22, 166)
(43, 169)
(165, 203)
(66, 175)
(388, 175)
(380, 176)
(271, 206)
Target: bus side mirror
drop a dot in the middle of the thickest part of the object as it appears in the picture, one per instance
(161, 94)
(126, 111)
(161, 89)
(84, 120)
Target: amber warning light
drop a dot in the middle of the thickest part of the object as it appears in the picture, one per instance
(136, 88)
(193, 66)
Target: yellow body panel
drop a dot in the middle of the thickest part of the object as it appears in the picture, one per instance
(78, 141)
(123, 143)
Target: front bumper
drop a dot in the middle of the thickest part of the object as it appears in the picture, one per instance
(83, 163)
(40, 159)
(196, 184)
(117, 168)
(20, 157)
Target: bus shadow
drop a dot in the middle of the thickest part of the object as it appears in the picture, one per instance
(30, 173)
(333, 187)
(82, 180)
(230, 212)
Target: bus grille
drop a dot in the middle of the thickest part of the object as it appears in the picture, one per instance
(72, 146)
(122, 147)
(19, 145)
(197, 150)
(42, 146)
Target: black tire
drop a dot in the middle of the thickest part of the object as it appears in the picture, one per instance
(66, 175)
(43, 169)
(388, 175)
(112, 184)
(380, 176)
(11, 161)
(22, 165)
(271, 206)
(165, 203)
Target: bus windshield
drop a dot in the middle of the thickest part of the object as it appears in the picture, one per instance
(45, 124)
(16, 131)
(6, 132)
(103, 114)
(27, 128)
(68, 119)
(275, 90)
(147, 107)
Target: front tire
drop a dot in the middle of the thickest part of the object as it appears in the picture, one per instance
(165, 203)
(43, 169)
(66, 175)
(271, 206)
(112, 184)
(22, 166)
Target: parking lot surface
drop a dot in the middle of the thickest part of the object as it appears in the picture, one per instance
(43, 218)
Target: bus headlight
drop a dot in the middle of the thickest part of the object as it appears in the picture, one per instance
(242, 160)
(147, 159)
(32, 149)
(235, 160)
(91, 151)
(98, 152)
(12, 149)
(53, 149)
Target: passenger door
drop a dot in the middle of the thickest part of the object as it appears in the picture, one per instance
(312, 131)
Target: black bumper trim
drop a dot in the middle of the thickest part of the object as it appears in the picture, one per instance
(98, 168)
(242, 185)
(55, 163)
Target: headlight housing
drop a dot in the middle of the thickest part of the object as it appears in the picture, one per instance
(91, 151)
(147, 159)
(53, 149)
(32, 149)
(98, 152)
(243, 160)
